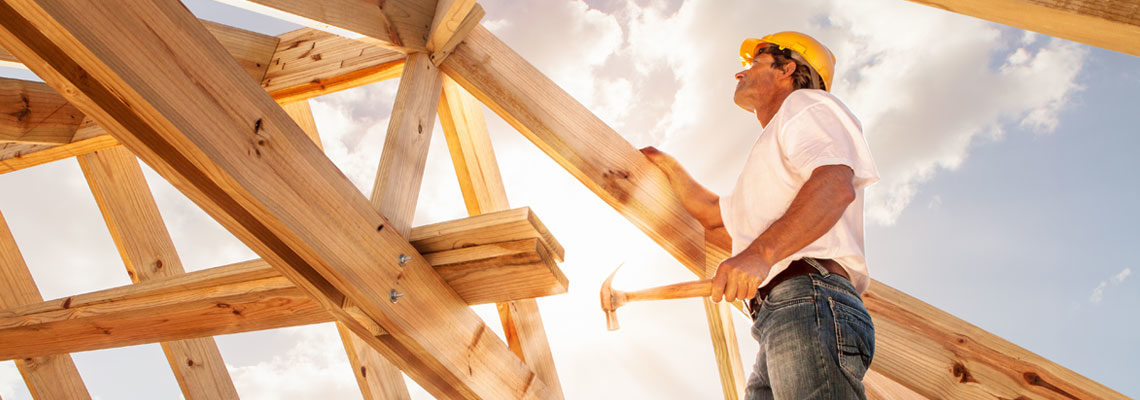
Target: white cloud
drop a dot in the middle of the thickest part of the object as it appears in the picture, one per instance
(316, 367)
(1098, 292)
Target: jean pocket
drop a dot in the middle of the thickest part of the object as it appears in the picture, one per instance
(855, 338)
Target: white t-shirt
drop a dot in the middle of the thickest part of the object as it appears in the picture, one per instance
(811, 129)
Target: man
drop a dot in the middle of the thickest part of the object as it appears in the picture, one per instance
(795, 220)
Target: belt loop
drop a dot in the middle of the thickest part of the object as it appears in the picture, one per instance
(819, 267)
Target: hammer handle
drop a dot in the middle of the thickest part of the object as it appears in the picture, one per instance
(683, 290)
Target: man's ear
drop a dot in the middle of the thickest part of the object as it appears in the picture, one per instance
(789, 68)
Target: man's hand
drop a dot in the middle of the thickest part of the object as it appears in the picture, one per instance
(738, 277)
(661, 159)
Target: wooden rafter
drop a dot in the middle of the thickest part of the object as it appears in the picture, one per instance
(918, 345)
(480, 257)
(229, 147)
(1109, 24)
(461, 117)
(722, 331)
(132, 216)
(51, 376)
(453, 20)
(306, 63)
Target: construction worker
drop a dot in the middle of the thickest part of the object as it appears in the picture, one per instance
(795, 220)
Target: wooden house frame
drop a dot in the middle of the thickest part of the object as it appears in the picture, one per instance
(145, 78)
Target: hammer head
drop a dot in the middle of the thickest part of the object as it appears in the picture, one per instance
(611, 300)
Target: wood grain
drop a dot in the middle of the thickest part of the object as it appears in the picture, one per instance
(309, 63)
(48, 376)
(224, 142)
(722, 331)
(31, 112)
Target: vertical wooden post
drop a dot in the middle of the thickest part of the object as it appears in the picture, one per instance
(461, 117)
(376, 377)
(50, 377)
(723, 332)
(129, 209)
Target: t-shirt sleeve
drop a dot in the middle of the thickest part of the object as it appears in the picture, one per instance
(825, 134)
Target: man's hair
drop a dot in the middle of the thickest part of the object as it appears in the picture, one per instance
(805, 77)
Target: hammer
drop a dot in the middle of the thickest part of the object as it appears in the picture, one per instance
(612, 299)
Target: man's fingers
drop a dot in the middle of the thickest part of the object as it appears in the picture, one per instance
(731, 288)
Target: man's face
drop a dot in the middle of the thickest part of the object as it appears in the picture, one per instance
(756, 85)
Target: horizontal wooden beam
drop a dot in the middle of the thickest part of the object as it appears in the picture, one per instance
(928, 350)
(252, 296)
(31, 112)
(17, 156)
(1108, 24)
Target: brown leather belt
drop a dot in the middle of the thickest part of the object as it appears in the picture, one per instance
(797, 268)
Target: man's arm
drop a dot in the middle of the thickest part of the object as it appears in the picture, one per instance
(816, 208)
(701, 203)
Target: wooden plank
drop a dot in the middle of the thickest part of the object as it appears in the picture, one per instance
(879, 387)
(49, 376)
(917, 345)
(14, 157)
(591, 151)
(310, 63)
(31, 112)
(242, 297)
(396, 24)
(404, 156)
(471, 154)
(453, 20)
(1108, 24)
(722, 331)
(470, 146)
(132, 216)
(220, 139)
(302, 114)
(525, 269)
(490, 227)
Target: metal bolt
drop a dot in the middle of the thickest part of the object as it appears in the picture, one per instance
(394, 296)
(403, 259)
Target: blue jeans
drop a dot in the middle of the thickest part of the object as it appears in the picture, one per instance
(816, 341)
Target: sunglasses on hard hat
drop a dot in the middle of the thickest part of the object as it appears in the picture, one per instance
(748, 51)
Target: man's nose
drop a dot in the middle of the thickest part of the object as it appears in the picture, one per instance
(739, 75)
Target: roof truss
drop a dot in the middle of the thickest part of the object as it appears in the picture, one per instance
(924, 349)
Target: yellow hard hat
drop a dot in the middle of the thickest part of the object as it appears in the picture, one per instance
(813, 52)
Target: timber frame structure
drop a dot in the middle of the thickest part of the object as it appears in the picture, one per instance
(146, 78)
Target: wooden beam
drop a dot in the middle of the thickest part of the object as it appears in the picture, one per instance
(461, 117)
(879, 387)
(453, 20)
(310, 63)
(229, 147)
(917, 345)
(722, 331)
(252, 296)
(31, 112)
(15, 156)
(397, 24)
(306, 64)
(394, 193)
(132, 216)
(1108, 24)
(48, 376)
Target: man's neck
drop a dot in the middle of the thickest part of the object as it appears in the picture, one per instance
(767, 111)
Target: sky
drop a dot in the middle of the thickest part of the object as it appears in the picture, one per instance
(1008, 180)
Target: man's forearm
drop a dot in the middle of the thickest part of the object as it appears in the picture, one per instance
(816, 208)
(701, 203)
